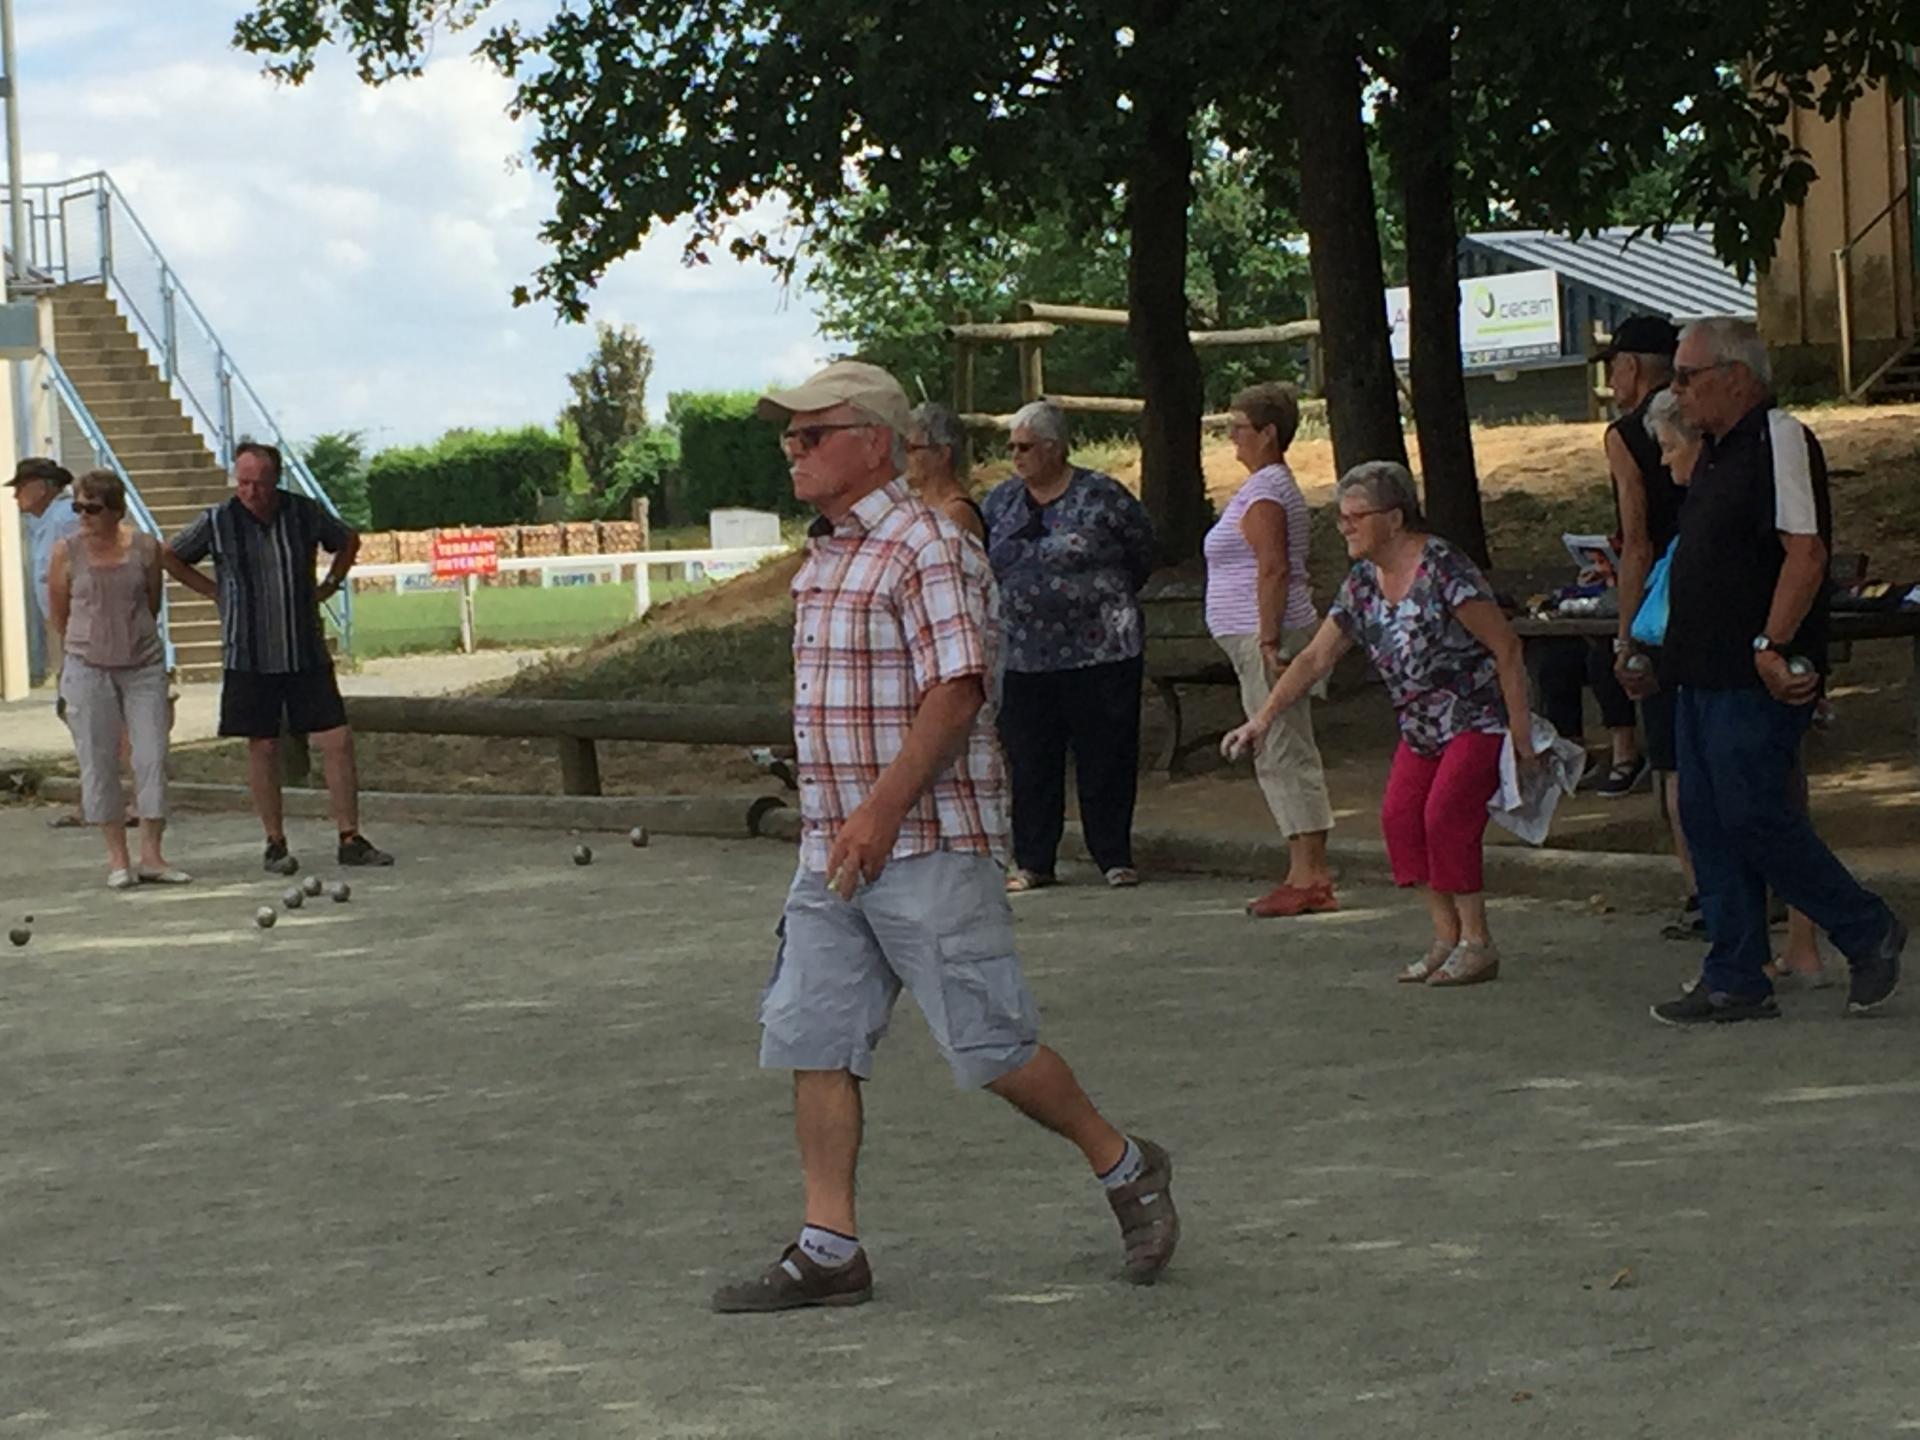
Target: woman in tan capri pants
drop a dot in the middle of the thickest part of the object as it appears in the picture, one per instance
(104, 597)
(1260, 611)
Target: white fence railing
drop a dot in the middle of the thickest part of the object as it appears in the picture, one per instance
(641, 562)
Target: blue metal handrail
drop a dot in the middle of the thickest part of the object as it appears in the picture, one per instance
(169, 324)
(68, 395)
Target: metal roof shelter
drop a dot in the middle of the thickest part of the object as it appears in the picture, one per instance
(1609, 275)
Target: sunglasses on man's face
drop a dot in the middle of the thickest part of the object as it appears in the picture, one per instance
(88, 507)
(802, 438)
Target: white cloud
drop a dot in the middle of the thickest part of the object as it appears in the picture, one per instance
(355, 249)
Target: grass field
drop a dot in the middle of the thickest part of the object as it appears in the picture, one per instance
(388, 623)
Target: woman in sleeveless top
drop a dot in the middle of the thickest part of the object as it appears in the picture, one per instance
(937, 467)
(104, 597)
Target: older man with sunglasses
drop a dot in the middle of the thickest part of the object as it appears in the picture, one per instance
(903, 839)
(1747, 645)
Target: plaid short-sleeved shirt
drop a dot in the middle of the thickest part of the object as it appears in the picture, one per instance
(888, 604)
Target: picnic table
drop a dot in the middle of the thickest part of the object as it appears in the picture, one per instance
(1845, 627)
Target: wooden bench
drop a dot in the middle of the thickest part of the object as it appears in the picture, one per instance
(1180, 652)
(575, 726)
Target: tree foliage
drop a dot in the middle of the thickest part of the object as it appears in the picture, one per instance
(609, 406)
(338, 461)
(1102, 112)
(468, 477)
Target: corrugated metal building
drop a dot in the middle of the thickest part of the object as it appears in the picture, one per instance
(1603, 278)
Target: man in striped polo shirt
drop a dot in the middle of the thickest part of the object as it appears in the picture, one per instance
(274, 656)
(903, 847)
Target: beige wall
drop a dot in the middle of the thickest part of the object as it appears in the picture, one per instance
(1862, 164)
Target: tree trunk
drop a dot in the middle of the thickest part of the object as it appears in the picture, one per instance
(1424, 161)
(1160, 192)
(1338, 209)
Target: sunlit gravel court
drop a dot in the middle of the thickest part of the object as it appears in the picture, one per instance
(464, 1156)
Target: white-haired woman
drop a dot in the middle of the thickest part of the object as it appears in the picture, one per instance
(104, 596)
(1071, 549)
(937, 467)
(1452, 665)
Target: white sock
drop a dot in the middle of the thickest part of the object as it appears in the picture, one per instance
(1127, 1169)
(827, 1247)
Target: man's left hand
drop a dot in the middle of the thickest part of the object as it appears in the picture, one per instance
(1785, 686)
(860, 850)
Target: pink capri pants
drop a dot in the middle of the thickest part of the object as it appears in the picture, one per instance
(1435, 813)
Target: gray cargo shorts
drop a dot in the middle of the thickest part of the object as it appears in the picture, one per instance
(937, 924)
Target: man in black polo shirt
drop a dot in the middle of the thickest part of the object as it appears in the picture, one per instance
(1646, 504)
(1746, 645)
(274, 655)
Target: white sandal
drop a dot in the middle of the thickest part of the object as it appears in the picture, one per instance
(121, 880)
(1429, 964)
(168, 876)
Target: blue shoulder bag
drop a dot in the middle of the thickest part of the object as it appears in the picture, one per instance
(1650, 621)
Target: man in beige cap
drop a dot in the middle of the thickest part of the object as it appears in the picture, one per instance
(903, 844)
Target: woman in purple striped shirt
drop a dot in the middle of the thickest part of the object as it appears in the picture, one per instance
(1260, 611)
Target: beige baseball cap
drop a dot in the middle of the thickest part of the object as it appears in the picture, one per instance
(867, 388)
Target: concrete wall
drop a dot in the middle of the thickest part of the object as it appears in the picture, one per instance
(1863, 165)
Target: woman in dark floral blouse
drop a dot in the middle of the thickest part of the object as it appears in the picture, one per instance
(1428, 620)
(1071, 548)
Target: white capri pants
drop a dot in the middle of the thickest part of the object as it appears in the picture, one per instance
(1287, 764)
(100, 702)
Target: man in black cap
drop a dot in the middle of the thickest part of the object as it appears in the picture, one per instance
(40, 489)
(1646, 500)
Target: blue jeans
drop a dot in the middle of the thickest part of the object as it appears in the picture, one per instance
(1737, 752)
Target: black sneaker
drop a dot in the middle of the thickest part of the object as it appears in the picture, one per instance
(1876, 977)
(277, 861)
(1626, 779)
(1699, 1007)
(358, 850)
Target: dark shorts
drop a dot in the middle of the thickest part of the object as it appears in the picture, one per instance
(252, 705)
(1657, 722)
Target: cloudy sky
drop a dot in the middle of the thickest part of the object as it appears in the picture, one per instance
(355, 248)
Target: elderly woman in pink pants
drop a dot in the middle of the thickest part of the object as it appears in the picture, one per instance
(1452, 666)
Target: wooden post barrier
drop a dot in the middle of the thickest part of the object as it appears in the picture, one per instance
(575, 726)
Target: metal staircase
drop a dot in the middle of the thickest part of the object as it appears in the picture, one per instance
(167, 467)
(150, 390)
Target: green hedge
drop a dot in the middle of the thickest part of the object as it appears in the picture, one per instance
(728, 456)
(468, 477)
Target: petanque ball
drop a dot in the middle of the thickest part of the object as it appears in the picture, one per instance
(582, 855)
(638, 835)
(19, 935)
(1800, 665)
(1638, 664)
(294, 898)
(265, 916)
(341, 892)
(311, 885)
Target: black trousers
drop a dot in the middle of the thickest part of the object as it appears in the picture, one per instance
(1095, 712)
(1561, 667)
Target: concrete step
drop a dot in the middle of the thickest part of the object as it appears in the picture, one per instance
(132, 427)
(87, 378)
(171, 472)
(175, 499)
(76, 336)
(147, 460)
(105, 392)
(151, 407)
(169, 517)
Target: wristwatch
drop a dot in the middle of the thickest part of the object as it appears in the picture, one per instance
(1761, 644)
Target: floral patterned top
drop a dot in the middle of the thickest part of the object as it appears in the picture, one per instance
(1442, 681)
(1070, 572)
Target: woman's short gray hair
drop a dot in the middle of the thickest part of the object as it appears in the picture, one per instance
(1043, 420)
(940, 426)
(1384, 485)
(1734, 341)
(1665, 417)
